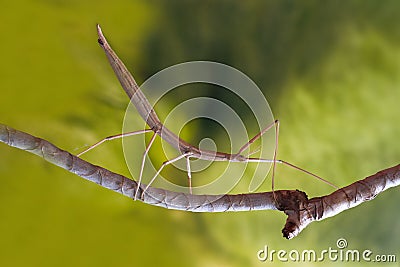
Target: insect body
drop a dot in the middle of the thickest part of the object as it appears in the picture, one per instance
(155, 125)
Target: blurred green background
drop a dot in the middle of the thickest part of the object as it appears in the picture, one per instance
(330, 70)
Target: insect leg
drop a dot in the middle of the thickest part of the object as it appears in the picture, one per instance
(162, 167)
(113, 137)
(252, 140)
(143, 160)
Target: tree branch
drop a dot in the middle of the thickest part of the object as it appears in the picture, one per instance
(301, 211)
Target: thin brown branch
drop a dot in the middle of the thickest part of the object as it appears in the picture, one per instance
(301, 211)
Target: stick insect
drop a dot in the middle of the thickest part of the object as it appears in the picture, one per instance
(186, 150)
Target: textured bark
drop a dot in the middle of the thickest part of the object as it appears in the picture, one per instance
(300, 210)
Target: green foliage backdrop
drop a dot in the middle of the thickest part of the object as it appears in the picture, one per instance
(330, 70)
